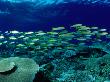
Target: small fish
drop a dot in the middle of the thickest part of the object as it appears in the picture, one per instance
(103, 33)
(67, 35)
(21, 36)
(63, 32)
(12, 38)
(95, 32)
(32, 43)
(84, 28)
(84, 32)
(12, 43)
(1, 43)
(35, 40)
(52, 33)
(14, 32)
(88, 35)
(94, 28)
(5, 42)
(52, 40)
(29, 33)
(76, 25)
(49, 45)
(102, 30)
(2, 37)
(81, 39)
(58, 28)
(82, 44)
(20, 45)
(26, 38)
(40, 34)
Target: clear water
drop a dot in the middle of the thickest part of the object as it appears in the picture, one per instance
(69, 40)
(42, 14)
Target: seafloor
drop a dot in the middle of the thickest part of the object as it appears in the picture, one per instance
(82, 55)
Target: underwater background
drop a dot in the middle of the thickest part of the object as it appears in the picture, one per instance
(54, 41)
(44, 14)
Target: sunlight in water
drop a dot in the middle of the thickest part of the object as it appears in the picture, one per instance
(46, 2)
(19, 1)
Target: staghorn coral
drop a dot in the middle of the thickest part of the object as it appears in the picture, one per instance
(15, 69)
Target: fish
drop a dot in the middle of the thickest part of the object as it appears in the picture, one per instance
(58, 28)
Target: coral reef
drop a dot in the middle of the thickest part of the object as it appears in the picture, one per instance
(81, 55)
(17, 69)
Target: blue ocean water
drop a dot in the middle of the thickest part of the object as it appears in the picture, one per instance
(33, 15)
(35, 29)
